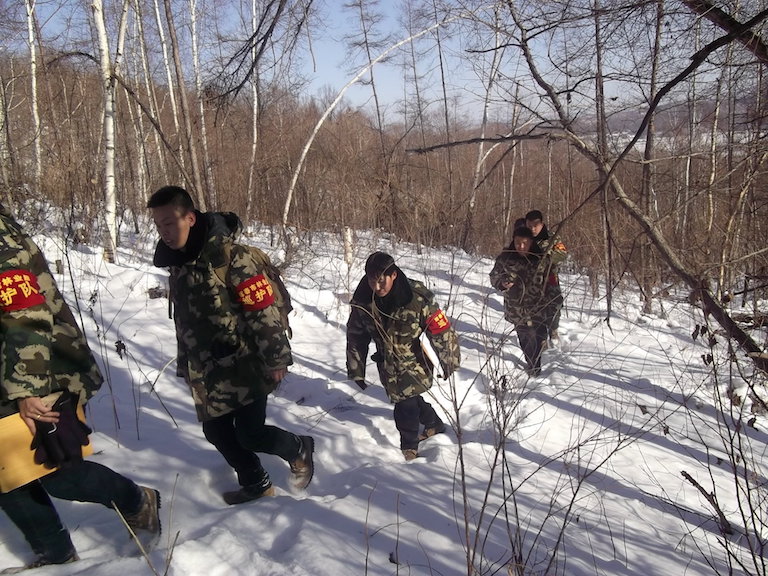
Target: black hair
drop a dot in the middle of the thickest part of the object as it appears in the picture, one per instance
(534, 215)
(172, 196)
(523, 232)
(379, 263)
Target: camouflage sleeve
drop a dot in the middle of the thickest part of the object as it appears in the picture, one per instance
(557, 251)
(26, 325)
(358, 341)
(442, 336)
(253, 291)
(500, 273)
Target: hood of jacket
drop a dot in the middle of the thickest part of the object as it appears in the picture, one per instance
(400, 295)
(207, 225)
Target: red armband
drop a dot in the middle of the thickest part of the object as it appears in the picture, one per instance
(438, 323)
(18, 290)
(552, 280)
(255, 293)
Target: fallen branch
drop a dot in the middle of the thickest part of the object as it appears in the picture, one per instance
(725, 526)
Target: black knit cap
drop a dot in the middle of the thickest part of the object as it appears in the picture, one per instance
(379, 263)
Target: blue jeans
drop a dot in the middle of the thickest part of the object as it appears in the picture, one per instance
(30, 508)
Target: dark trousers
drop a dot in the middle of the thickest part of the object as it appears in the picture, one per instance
(30, 508)
(554, 307)
(531, 339)
(409, 413)
(241, 433)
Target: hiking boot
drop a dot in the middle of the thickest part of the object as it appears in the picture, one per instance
(147, 519)
(41, 561)
(410, 454)
(303, 467)
(250, 492)
(430, 431)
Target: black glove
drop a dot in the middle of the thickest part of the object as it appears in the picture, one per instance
(60, 444)
(361, 384)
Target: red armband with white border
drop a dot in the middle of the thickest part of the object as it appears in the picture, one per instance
(19, 289)
(438, 323)
(255, 293)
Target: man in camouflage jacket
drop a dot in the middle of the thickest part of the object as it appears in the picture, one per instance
(395, 312)
(232, 346)
(45, 353)
(520, 272)
(552, 246)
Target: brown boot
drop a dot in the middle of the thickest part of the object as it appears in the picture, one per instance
(303, 467)
(410, 455)
(148, 516)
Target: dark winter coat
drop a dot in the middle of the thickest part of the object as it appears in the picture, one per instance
(229, 330)
(525, 302)
(395, 323)
(43, 349)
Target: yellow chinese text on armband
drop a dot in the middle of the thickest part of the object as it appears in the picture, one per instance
(19, 289)
(255, 293)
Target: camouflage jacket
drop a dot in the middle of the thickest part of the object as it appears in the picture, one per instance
(403, 369)
(552, 246)
(525, 302)
(228, 328)
(43, 348)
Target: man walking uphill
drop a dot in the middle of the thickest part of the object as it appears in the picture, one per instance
(233, 349)
(551, 246)
(394, 312)
(46, 370)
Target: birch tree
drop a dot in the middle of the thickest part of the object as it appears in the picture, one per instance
(108, 69)
(36, 124)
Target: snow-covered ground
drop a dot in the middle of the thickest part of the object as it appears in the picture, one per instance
(586, 460)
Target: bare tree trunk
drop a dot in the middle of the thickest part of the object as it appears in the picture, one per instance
(449, 168)
(6, 151)
(602, 151)
(36, 124)
(108, 87)
(467, 239)
(368, 19)
(255, 103)
(647, 270)
(149, 86)
(169, 79)
(207, 172)
(198, 189)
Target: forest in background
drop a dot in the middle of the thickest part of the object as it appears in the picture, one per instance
(637, 127)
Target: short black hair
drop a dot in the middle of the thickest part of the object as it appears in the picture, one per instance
(534, 215)
(523, 232)
(173, 196)
(379, 263)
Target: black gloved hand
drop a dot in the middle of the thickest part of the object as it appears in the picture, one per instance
(361, 384)
(60, 444)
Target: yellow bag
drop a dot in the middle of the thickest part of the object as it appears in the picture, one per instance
(17, 459)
